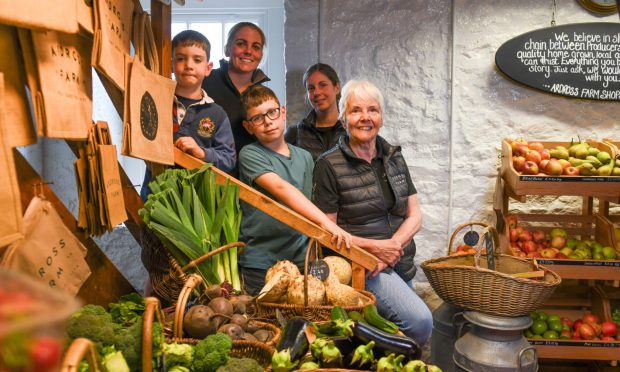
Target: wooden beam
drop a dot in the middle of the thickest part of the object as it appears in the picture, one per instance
(105, 284)
(282, 213)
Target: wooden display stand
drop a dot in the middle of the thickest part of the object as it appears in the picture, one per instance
(572, 301)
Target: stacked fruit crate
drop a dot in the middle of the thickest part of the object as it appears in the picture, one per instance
(579, 246)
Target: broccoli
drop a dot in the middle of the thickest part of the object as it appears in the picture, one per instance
(129, 342)
(179, 354)
(94, 323)
(178, 369)
(241, 365)
(212, 352)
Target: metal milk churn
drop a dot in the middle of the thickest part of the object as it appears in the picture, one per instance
(495, 343)
(446, 322)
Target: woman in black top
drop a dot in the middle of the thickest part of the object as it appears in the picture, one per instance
(320, 129)
(226, 84)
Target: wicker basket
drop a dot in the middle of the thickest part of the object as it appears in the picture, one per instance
(464, 281)
(267, 310)
(179, 313)
(79, 349)
(166, 275)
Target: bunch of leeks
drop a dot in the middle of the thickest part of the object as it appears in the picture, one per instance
(193, 215)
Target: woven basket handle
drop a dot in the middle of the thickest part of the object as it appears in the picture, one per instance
(79, 349)
(315, 248)
(179, 312)
(152, 313)
(206, 256)
(461, 227)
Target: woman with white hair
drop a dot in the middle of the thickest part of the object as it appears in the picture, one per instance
(363, 184)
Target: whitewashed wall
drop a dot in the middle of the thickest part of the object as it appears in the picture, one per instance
(447, 105)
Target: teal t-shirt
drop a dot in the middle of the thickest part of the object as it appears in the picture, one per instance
(267, 239)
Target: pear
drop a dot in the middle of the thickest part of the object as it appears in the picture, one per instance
(593, 151)
(586, 169)
(581, 152)
(605, 170)
(572, 150)
(603, 157)
(616, 172)
(594, 161)
(559, 153)
(575, 162)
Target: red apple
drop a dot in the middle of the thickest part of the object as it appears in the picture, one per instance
(586, 331)
(519, 147)
(520, 254)
(533, 255)
(530, 168)
(590, 318)
(518, 162)
(565, 163)
(553, 168)
(567, 321)
(558, 242)
(533, 156)
(577, 323)
(561, 256)
(576, 336)
(525, 235)
(538, 236)
(608, 338)
(571, 171)
(513, 234)
(543, 163)
(512, 222)
(538, 146)
(609, 329)
(547, 253)
(529, 246)
(544, 154)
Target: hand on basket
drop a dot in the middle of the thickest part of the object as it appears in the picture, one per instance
(380, 267)
(389, 251)
(339, 236)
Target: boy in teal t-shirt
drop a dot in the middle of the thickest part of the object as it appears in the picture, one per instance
(283, 172)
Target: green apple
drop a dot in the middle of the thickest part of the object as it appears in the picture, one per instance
(609, 253)
(567, 251)
(598, 256)
(570, 242)
(558, 232)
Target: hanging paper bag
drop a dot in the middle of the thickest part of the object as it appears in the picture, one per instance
(61, 15)
(114, 203)
(11, 226)
(49, 252)
(112, 38)
(16, 109)
(147, 130)
(85, 16)
(60, 80)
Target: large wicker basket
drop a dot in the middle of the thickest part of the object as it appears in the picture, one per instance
(464, 282)
(267, 310)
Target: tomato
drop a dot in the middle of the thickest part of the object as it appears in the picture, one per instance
(45, 353)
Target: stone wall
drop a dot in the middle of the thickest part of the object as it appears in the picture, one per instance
(447, 105)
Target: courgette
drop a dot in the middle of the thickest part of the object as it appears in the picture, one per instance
(338, 313)
(373, 318)
(356, 315)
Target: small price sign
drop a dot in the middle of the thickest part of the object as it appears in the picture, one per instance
(319, 269)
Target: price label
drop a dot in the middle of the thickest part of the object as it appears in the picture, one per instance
(319, 269)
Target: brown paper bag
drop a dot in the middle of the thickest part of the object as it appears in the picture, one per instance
(110, 177)
(60, 80)
(11, 226)
(16, 109)
(61, 15)
(85, 16)
(147, 130)
(49, 252)
(112, 38)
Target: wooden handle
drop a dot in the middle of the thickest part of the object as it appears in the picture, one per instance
(313, 246)
(179, 312)
(281, 213)
(152, 313)
(79, 349)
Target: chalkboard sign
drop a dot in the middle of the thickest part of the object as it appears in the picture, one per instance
(319, 269)
(580, 60)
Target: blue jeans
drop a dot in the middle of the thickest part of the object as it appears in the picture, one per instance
(397, 302)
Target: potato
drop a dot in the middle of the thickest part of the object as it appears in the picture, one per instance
(316, 291)
(340, 267)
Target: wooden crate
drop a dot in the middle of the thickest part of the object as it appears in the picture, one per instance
(596, 186)
(582, 226)
(572, 302)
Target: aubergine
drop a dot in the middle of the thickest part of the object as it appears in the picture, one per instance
(294, 338)
(387, 342)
